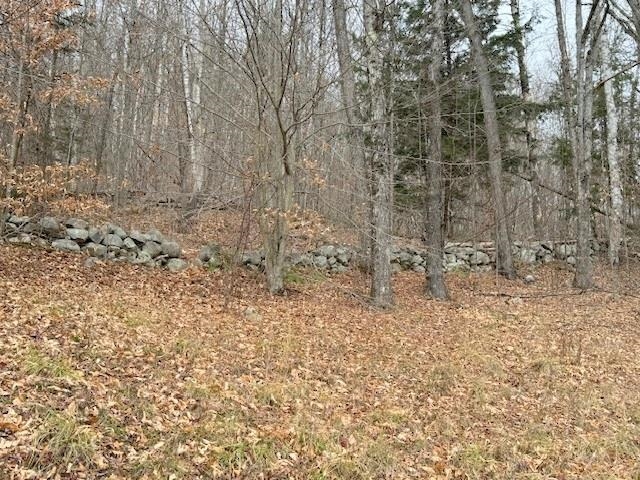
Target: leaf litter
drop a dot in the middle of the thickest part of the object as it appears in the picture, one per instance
(123, 372)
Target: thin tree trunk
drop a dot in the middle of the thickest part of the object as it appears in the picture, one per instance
(353, 113)
(525, 93)
(381, 157)
(615, 182)
(434, 234)
(504, 260)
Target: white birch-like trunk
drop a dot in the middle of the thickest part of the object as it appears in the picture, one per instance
(615, 181)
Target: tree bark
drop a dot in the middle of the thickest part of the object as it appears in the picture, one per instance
(381, 158)
(525, 93)
(436, 287)
(615, 182)
(504, 259)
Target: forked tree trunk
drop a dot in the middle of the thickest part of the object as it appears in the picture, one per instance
(436, 287)
(504, 259)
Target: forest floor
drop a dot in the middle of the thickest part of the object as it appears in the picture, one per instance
(124, 372)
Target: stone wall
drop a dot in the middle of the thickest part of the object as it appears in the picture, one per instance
(108, 241)
(111, 242)
(458, 256)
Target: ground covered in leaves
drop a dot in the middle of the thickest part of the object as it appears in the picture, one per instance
(124, 372)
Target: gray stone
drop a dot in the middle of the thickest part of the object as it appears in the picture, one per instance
(19, 220)
(479, 258)
(339, 268)
(343, 258)
(565, 250)
(77, 223)
(117, 230)
(405, 258)
(66, 245)
(396, 268)
(152, 248)
(51, 226)
(95, 249)
(571, 260)
(417, 260)
(129, 244)
(155, 236)
(252, 258)
(529, 279)
(327, 251)
(112, 240)
(79, 235)
(527, 255)
(320, 261)
(418, 268)
(171, 249)
(207, 252)
(138, 237)
(96, 235)
(142, 258)
(176, 264)
(331, 260)
(20, 238)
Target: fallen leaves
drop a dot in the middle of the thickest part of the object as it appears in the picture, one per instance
(120, 372)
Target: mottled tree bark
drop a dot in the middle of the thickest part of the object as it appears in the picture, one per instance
(436, 287)
(504, 259)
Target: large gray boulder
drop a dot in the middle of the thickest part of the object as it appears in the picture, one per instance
(96, 235)
(528, 255)
(95, 250)
(327, 251)
(117, 230)
(77, 223)
(112, 240)
(152, 248)
(138, 237)
(320, 261)
(20, 238)
(155, 236)
(171, 249)
(129, 244)
(207, 252)
(51, 226)
(79, 235)
(65, 245)
(19, 220)
(176, 264)
(479, 258)
(143, 258)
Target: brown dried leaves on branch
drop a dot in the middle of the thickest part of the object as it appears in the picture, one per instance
(123, 372)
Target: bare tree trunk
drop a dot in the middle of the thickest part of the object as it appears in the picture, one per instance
(381, 156)
(434, 234)
(615, 182)
(525, 92)
(354, 118)
(504, 260)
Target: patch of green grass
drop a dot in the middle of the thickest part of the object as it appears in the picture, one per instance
(474, 460)
(62, 440)
(39, 363)
(298, 276)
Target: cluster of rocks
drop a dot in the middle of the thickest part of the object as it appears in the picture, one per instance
(108, 241)
(335, 258)
(463, 256)
(111, 242)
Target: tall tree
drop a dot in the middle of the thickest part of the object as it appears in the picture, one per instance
(525, 94)
(504, 259)
(376, 19)
(434, 235)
